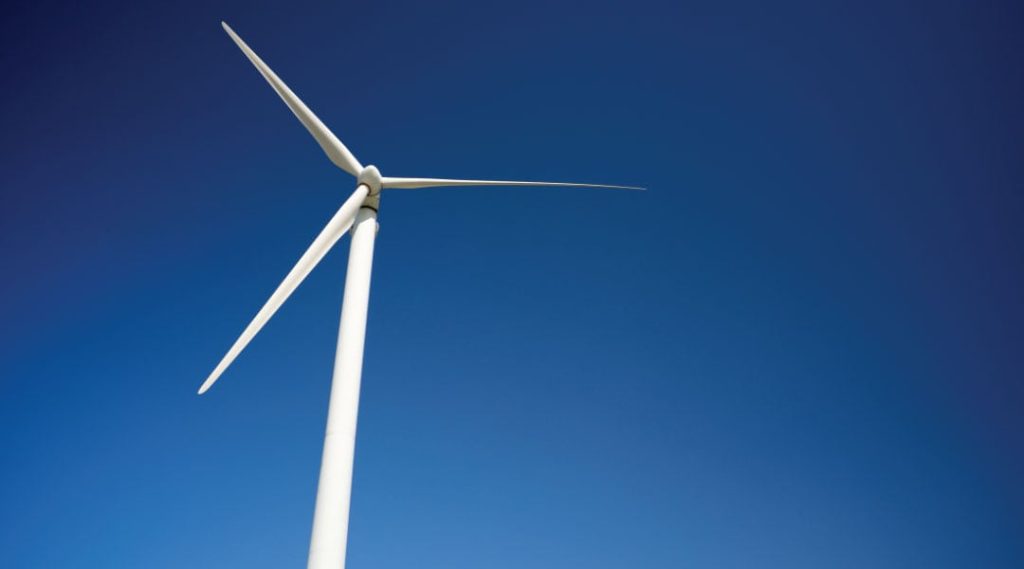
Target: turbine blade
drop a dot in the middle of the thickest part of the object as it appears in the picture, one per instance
(416, 183)
(335, 228)
(335, 150)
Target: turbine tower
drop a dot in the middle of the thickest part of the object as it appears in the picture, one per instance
(358, 213)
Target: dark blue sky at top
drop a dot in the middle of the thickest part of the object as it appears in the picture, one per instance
(801, 348)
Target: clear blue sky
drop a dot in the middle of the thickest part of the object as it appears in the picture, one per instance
(802, 348)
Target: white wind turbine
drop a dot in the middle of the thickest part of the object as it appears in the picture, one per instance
(359, 212)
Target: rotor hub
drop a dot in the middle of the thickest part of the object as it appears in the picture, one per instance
(370, 176)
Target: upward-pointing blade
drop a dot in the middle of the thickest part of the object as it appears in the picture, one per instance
(335, 150)
(416, 183)
(335, 228)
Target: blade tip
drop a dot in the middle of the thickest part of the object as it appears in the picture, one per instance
(206, 385)
(231, 33)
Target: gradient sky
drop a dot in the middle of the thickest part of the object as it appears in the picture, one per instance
(802, 348)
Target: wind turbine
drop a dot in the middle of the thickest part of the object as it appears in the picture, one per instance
(359, 212)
